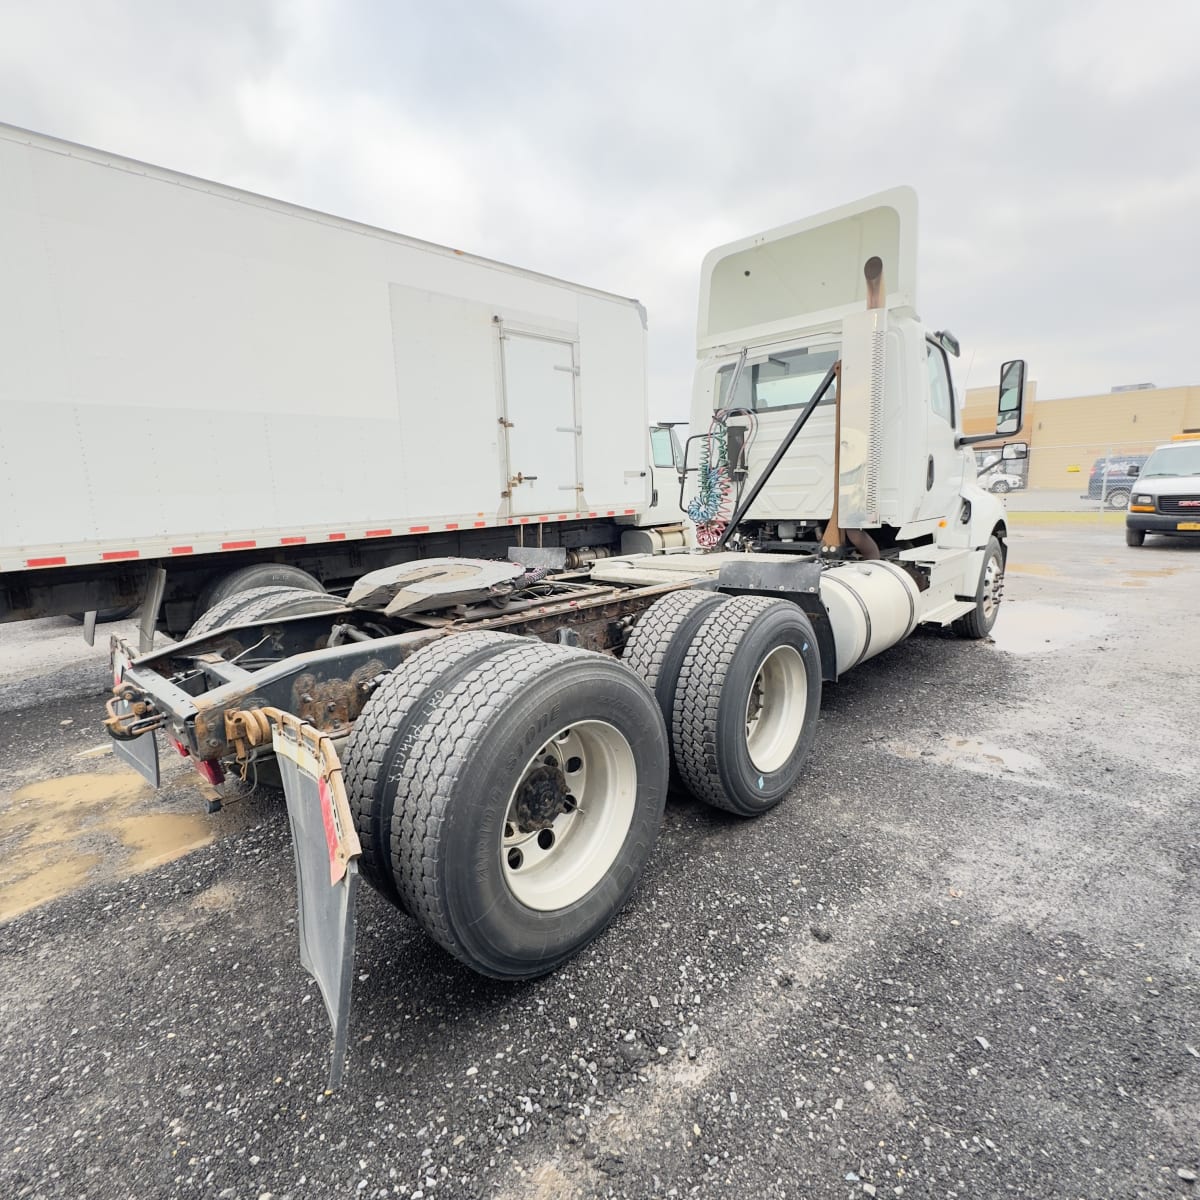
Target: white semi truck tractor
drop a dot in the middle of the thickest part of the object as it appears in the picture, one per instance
(489, 743)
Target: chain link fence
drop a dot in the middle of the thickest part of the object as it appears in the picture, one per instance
(1085, 477)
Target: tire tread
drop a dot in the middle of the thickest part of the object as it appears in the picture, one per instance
(698, 696)
(369, 746)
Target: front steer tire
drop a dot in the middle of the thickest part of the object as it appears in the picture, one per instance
(479, 748)
(1135, 537)
(746, 705)
(977, 624)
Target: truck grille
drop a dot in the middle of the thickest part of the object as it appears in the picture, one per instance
(1180, 505)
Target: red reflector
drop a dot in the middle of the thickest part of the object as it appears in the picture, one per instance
(481, 524)
(630, 511)
(337, 537)
(543, 518)
(379, 533)
(418, 529)
(238, 545)
(181, 550)
(452, 525)
(113, 555)
(60, 561)
(183, 750)
(292, 541)
(212, 771)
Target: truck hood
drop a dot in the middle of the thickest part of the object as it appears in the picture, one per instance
(809, 273)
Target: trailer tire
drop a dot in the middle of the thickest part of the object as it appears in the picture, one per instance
(660, 639)
(105, 615)
(385, 733)
(260, 604)
(465, 823)
(979, 621)
(752, 652)
(258, 575)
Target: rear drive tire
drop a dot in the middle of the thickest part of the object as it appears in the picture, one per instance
(386, 733)
(259, 575)
(979, 621)
(746, 706)
(1134, 537)
(660, 639)
(504, 867)
(260, 604)
(1118, 498)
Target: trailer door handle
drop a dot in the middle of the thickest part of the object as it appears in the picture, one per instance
(929, 475)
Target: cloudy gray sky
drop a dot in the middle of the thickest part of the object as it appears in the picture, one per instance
(1053, 145)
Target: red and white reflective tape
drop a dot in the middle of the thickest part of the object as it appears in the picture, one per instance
(82, 553)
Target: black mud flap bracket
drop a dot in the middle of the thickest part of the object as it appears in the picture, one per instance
(794, 579)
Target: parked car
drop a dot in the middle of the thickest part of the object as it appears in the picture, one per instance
(1110, 478)
(1001, 482)
(1166, 494)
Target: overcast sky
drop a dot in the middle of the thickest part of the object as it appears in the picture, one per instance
(1054, 146)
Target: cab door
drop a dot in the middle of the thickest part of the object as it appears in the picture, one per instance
(944, 461)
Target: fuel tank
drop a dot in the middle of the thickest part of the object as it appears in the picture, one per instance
(871, 606)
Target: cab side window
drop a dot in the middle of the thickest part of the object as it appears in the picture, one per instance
(661, 448)
(941, 397)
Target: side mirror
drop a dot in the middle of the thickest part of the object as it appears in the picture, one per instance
(1134, 470)
(1015, 450)
(1011, 408)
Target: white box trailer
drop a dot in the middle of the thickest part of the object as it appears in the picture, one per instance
(200, 377)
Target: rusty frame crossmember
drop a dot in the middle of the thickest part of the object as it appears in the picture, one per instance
(333, 678)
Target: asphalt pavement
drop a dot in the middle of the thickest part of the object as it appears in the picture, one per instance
(961, 961)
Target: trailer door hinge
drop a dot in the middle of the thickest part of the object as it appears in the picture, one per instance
(506, 424)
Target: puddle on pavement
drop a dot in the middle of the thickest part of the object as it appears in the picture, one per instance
(58, 834)
(1032, 569)
(980, 758)
(1040, 628)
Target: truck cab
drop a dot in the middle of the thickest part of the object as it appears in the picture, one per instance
(777, 310)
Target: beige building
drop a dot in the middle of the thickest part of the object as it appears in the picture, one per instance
(1067, 436)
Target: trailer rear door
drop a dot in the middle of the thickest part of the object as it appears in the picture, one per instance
(543, 424)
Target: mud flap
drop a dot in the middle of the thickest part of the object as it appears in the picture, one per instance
(326, 847)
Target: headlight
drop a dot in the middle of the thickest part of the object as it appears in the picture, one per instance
(1143, 499)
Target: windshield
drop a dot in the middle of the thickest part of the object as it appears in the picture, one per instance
(1173, 460)
(786, 379)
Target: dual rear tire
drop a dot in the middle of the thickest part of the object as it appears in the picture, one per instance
(738, 681)
(508, 794)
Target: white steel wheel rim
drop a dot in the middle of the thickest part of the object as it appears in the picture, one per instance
(550, 868)
(991, 585)
(775, 708)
